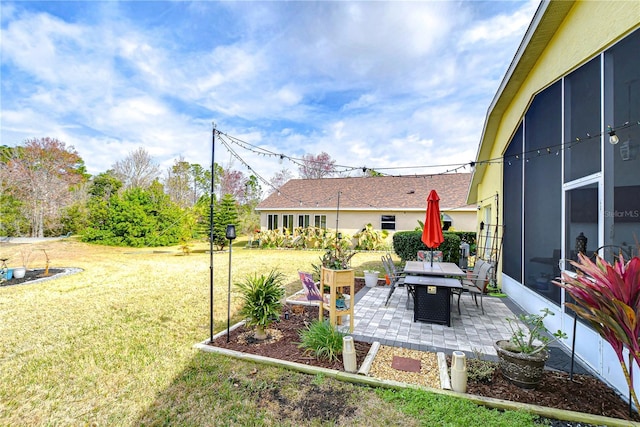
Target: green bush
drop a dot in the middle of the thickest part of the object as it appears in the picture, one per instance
(262, 297)
(406, 245)
(481, 370)
(370, 239)
(322, 340)
(135, 218)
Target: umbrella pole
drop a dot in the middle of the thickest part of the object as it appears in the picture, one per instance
(431, 257)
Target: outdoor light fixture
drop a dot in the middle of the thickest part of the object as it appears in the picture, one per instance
(613, 138)
(231, 234)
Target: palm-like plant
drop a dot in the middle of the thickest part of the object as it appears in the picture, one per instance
(608, 297)
(262, 296)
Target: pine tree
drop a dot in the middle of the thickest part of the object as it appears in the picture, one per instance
(225, 212)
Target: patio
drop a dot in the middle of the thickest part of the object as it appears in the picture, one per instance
(393, 325)
(470, 331)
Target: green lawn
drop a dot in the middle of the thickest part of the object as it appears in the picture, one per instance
(113, 345)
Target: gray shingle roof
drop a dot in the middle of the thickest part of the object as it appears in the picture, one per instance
(388, 192)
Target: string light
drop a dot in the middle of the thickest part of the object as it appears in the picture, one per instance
(613, 138)
(227, 140)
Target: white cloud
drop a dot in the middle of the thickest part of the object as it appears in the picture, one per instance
(381, 84)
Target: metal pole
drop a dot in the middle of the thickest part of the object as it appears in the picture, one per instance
(573, 345)
(213, 148)
(229, 293)
(338, 212)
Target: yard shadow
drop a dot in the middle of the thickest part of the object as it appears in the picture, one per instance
(219, 390)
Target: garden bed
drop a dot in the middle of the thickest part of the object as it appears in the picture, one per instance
(584, 393)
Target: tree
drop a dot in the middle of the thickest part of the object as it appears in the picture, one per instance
(137, 170)
(252, 192)
(178, 183)
(225, 213)
(137, 217)
(232, 182)
(314, 167)
(43, 173)
(279, 179)
(201, 181)
(105, 185)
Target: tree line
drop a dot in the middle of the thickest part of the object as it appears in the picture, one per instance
(45, 191)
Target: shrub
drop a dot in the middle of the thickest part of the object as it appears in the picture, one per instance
(370, 239)
(481, 370)
(262, 300)
(406, 245)
(322, 340)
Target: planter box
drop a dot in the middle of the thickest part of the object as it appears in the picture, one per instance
(335, 279)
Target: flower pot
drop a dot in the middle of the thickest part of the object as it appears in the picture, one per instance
(19, 272)
(371, 278)
(521, 369)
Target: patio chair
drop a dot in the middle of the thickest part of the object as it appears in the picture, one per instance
(393, 277)
(310, 288)
(476, 282)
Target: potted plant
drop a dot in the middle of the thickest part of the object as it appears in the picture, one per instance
(523, 356)
(371, 278)
(262, 296)
(19, 272)
(336, 272)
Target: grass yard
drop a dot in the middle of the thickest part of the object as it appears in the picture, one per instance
(113, 345)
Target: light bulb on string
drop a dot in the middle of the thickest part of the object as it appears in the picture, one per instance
(613, 138)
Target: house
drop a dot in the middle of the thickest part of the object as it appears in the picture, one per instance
(560, 146)
(389, 203)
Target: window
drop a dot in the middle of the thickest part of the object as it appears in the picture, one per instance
(303, 221)
(287, 222)
(582, 118)
(512, 190)
(320, 221)
(388, 222)
(622, 180)
(543, 192)
(447, 222)
(272, 222)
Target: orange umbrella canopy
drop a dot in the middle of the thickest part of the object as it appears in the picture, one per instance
(432, 231)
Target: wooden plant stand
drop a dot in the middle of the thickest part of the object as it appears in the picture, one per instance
(335, 279)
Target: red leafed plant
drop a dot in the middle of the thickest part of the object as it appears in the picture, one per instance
(608, 297)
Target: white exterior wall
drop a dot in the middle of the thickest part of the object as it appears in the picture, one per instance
(350, 222)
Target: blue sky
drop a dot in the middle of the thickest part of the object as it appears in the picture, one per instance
(379, 84)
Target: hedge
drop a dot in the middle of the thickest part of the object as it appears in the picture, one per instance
(406, 245)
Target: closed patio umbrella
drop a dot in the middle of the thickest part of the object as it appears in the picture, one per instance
(432, 232)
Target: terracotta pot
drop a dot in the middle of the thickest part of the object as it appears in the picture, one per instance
(521, 369)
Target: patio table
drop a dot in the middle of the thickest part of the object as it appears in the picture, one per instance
(432, 297)
(439, 278)
(444, 269)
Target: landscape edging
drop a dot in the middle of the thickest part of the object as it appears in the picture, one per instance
(559, 414)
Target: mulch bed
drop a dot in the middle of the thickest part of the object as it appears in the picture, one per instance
(32, 275)
(286, 346)
(584, 393)
(294, 319)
